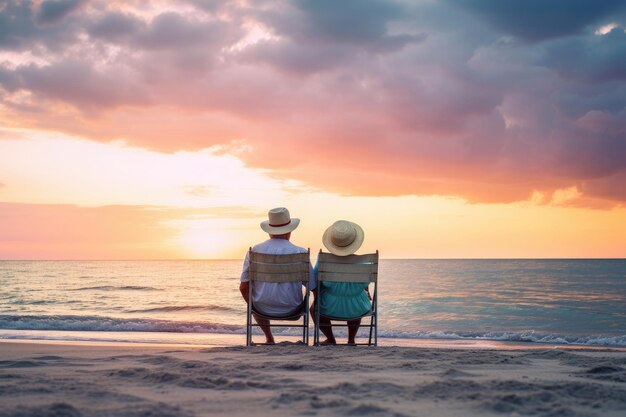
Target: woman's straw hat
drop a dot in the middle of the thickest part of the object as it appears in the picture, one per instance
(279, 222)
(343, 238)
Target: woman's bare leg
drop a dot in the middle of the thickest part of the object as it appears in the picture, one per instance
(325, 327)
(353, 328)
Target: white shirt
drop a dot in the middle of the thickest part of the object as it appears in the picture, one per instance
(276, 298)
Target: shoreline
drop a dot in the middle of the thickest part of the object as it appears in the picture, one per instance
(222, 340)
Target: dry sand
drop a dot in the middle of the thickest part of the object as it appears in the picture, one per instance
(46, 380)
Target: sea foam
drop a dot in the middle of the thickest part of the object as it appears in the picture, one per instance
(112, 324)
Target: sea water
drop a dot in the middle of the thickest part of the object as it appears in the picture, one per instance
(569, 301)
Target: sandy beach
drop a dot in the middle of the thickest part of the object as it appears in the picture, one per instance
(58, 379)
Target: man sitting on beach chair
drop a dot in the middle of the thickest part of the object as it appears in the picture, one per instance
(275, 298)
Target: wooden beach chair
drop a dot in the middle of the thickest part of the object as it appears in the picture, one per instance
(279, 268)
(352, 268)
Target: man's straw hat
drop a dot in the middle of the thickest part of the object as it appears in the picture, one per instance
(343, 238)
(279, 222)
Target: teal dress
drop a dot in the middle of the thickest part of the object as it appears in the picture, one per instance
(343, 299)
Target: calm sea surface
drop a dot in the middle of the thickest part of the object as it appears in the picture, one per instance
(552, 301)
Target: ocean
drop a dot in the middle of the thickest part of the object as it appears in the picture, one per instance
(563, 301)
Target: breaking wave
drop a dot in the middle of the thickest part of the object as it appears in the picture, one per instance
(116, 288)
(112, 324)
(173, 309)
(524, 336)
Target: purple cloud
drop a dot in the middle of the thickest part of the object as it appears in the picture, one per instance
(51, 11)
(22, 28)
(80, 84)
(115, 26)
(536, 20)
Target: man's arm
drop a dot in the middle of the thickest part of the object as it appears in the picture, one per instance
(244, 287)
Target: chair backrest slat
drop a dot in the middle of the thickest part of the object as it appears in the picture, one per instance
(353, 268)
(347, 277)
(350, 259)
(279, 268)
(278, 259)
(347, 268)
(290, 277)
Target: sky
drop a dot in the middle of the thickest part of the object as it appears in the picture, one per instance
(445, 128)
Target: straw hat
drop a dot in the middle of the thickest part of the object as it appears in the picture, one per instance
(343, 238)
(279, 222)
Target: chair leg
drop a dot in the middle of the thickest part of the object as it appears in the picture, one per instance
(317, 318)
(305, 319)
(373, 330)
(248, 327)
(306, 327)
(249, 331)
(314, 326)
(249, 317)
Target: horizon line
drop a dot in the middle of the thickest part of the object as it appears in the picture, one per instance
(241, 259)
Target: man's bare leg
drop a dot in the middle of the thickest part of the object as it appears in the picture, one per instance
(353, 328)
(264, 324)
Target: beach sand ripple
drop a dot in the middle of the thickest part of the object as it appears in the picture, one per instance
(79, 380)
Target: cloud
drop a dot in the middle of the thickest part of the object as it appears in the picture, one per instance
(114, 26)
(536, 20)
(292, 58)
(10, 135)
(375, 98)
(364, 24)
(78, 83)
(55, 10)
(610, 187)
(9, 80)
(171, 30)
(22, 27)
(585, 59)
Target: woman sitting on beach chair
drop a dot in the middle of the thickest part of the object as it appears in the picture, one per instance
(347, 301)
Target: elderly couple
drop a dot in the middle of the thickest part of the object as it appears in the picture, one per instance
(337, 299)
